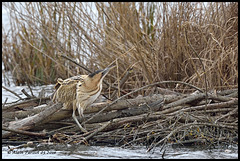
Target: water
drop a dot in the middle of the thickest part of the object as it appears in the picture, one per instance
(7, 81)
(103, 152)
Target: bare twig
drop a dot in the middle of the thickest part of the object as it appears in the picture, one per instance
(4, 102)
(23, 132)
(24, 102)
(30, 90)
(228, 114)
(26, 94)
(97, 130)
(12, 92)
(71, 60)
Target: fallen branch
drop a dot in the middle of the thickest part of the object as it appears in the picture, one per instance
(23, 132)
(22, 104)
(32, 121)
(209, 106)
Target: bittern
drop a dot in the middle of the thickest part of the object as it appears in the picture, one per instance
(79, 92)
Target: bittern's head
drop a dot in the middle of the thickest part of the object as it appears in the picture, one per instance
(94, 79)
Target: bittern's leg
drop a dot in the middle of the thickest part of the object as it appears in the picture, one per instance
(80, 112)
(75, 118)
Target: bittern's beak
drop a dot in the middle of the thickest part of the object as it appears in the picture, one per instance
(106, 70)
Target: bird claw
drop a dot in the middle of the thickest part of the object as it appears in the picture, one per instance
(83, 130)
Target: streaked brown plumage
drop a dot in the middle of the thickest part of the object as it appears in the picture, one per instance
(79, 92)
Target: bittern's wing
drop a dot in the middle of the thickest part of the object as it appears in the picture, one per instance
(66, 89)
(74, 79)
(58, 84)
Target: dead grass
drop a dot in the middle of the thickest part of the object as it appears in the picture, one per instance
(148, 37)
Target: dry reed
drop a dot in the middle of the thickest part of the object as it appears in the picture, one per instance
(148, 37)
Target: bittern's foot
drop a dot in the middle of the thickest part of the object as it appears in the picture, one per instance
(82, 129)
(79, 125)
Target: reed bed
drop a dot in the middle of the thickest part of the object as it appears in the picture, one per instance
(196, 43)
(175, 80)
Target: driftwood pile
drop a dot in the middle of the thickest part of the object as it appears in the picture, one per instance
(155, 120)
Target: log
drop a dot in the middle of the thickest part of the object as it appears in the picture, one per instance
(189, 99)
(122, 108)
(209, 106)
(24, 113)
(26, 103)
(65, 113)
(30, 122)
